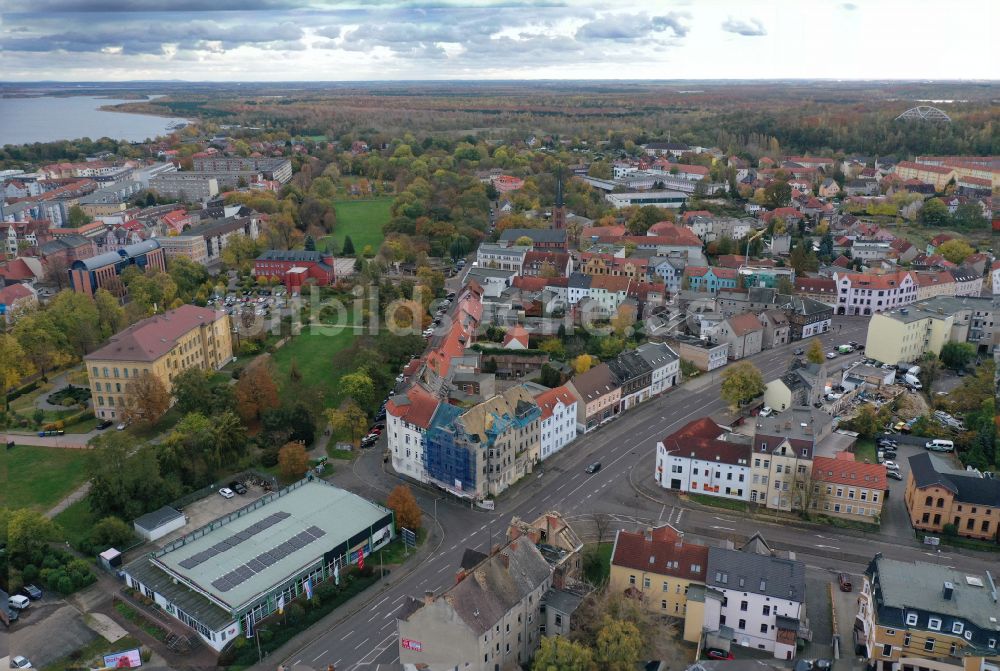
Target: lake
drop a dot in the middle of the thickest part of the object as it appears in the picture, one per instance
(49, 119)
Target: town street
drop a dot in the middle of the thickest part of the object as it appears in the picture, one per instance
(625, 447)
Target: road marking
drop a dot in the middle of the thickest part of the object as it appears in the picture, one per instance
(373, 617)
(662, 510)
(337, 662)
(466, 538)
(827, 547)
(483, 528)
(453, 547)
(724, 528)
(679, 513)
(320, 655)
(297, 662)
(347, 635)
(561, 486)
(361, 643)
(380, 603)
(422, 582)
(442, 568)
(399, 598)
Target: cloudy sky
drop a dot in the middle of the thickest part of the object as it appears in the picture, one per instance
(272, 40)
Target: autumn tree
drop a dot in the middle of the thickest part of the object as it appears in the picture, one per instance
(256, 391)
(358, 386)
(956, 251)
(815, 352)
(619, 645)
(146, 399)
(110, 313)
(742, 382)
(957, 355)
(405, 508)
(240, 252)
(582, 363)
(623, 320)
(41, 341)
(558, 653)
(934, 213)
(349, 419)
(866, 422)
(293, 461)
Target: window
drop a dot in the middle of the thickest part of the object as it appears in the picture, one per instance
(887, 650)
(934, 624)
(767, 610)
(929, 644)
(631, 580)
(906, 639)
(952, 649)
(742, 624)
(666, 586)
(645, 583)
(663, 604)
(957, 628)
(763, 628)
(743, 606)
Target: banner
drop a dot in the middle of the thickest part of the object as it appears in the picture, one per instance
(361, 559)
(281, 604)
(336, 574)
(308, 587)
(249, 628)
(129, 659)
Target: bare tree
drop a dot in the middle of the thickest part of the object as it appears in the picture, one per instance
(601, 522)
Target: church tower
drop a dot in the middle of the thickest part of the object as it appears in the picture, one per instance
(559, 212)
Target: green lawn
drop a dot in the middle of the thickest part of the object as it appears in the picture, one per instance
(362, 220)
(92, 653)
(597, 563)
(718, 502)
(865, 449)
(313, 354)
(39, 477)
(76, 521)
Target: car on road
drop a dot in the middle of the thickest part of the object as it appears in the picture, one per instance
(594, 467)
(895, 475)
(20, 662)
(844, 581)
(369, 440)
(831, 355)
(238, 487)
(31, 592)
(716, 653)
(226, 493)
(799, 351)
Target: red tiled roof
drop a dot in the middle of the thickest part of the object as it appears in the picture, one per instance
(602, 232)
(695, 271)
(819, 285)
(744, 323)
(924, 166)
(14, 292)
(977, 181)
(699, 440)
(875, 281)
(151, 338)
(641, 290)
(940, 239)
(518, 333)
(809, 159)
(692, 169)
(418, 410)
(661, 551)
(725, 273)
(928, 279)
(842, 261)
(547, 400)
(694, 213)
(16, 270)
(844, 470)
(558, 259)
(609, 282)
(671, 234)
(527, 283)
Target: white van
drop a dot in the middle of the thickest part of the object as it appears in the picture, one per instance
(938, 445)
(18, 602)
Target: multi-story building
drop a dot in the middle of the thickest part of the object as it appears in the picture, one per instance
(801, 385)
(216, 234)
(914, 616)
(500, 257)
(482, 451)
(598, 393)
(657, 567)
(995, 277)
(546, 263)
(968, 282)
(162, 346)
(934, 283)
(938, 496)
(185, 186)
(294, 267)
(937, 175)
(634, 378)
(188, 246)
(702, 354)
(487, 621)
(15, 300)
(762, 597)
(552, 239)
(408, 416)
(664, 362)
(557, 423)
(103, 271)
(867, 294)
(234, 167)
(16, 236)
(807, 317)
(782, 459)
(744, 333)
(849, 489)
(709, 278)
(822, 289)
(702, 458)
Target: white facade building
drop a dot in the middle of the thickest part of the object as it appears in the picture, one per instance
(665, 363)
(700, 459)
(407, 417)
(866, 294)
(498, 257)
(558, 421)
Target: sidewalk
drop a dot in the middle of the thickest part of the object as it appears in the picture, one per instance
(73, 441)
(76, 495)
(351, 608)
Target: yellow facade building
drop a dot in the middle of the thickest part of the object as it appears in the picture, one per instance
(906, 334)
(163, 346)
(656, 568)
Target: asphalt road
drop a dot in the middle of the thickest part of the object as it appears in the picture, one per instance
(625, 447)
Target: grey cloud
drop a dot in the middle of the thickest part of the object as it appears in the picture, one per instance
(849, 6)
(138, 6)
(333, 32)
(749, 28)
(149, 38)
(629, 27)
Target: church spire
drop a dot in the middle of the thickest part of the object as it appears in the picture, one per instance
(559, 188)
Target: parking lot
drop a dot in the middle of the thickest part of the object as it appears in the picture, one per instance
(209, 508)
(32, 634)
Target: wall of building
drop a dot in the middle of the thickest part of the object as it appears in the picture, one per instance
(661, 594)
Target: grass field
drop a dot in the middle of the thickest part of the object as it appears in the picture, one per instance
(362, 220)
(865, 449)
(39, 477)
(313, 354)
(76, 521)
(597, 563)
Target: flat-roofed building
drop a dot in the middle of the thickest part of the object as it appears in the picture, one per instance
(236, 570)
(87, 275)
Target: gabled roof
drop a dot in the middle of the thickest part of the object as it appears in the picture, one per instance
(547, 400)
(595, 383)
(967, 488)
(416, 406)
(700, 440)
(744, 323)
(151, 338)
(819, 285)
(549, 235)
(846, 471)
(748, 571)
(661, 551)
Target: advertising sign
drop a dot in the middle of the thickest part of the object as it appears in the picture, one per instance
(129, 659)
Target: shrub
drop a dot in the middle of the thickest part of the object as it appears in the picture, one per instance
(65, 585)
(950, 530)
(29, 573)
(295, 613)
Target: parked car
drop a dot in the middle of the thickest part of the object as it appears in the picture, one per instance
(31, 592)
(122, 426)
(716, 653)
(238, 487)
(890, 454)
(895, 475)
(891, 465)
(844, 581)
(103, 424)
(799, 351)
(18, 602)
(887, 442)
(766, 411)
(20, 662)
(594, 467)
(226, 493)
(831, 355)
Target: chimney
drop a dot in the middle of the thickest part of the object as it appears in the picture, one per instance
(428, 596)
(949, 589)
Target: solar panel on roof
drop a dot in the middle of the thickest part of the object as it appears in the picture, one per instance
(316, 531)
(222, 585)
(266, 558)
(189, 563)
(257, 565)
